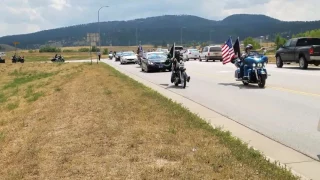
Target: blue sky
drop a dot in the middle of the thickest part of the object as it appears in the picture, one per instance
(26, 16)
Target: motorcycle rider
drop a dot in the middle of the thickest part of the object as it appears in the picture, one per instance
(240, 63)
(176, 60)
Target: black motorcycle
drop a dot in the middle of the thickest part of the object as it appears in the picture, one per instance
(2, 60)
(16, 59)
(179, 75)
(57, 59)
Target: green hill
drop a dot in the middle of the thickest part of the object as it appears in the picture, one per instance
(165, 30)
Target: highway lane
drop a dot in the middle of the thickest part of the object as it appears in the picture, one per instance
(287, 110)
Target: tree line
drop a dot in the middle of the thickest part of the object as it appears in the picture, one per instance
(280, 40)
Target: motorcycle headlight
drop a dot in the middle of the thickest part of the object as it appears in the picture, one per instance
(254, 65)
(259, 65)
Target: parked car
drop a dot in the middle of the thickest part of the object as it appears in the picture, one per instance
(165, 51)
(302, 50)
(191, 54)
(118, 55)
(128, 57)
(211, 53)
(152, 61)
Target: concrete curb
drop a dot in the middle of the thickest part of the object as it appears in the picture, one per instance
(299, 164)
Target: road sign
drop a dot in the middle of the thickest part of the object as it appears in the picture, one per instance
(93, 37)
(15, 43)
(93, 43)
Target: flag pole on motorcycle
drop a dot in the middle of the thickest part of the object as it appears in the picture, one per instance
(172, 52)
(236, 48)
(227, 51)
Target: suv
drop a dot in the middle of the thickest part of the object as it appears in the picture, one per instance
(211, 53)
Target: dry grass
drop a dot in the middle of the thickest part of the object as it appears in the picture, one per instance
(81, 121)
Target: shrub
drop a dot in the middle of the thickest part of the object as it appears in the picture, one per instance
(105, 51)
(49, 49)
(68, 50)
(84, 50)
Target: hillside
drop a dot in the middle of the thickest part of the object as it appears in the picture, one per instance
(164, 29)
(5, 47)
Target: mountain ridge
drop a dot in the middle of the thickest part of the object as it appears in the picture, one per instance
(165, 29)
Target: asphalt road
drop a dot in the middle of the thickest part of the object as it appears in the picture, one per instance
(287, 110)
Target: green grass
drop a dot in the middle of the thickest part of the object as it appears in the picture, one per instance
(3, 98)
(26, 79)
(12, 106)
(238, 149)
(35, 96)
(32, 96)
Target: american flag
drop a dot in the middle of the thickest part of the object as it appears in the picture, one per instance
(227, 52)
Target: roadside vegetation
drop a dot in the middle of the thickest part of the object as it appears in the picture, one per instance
(81, 121)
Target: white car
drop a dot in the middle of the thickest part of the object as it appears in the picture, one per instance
(128, 57)
(191, 54)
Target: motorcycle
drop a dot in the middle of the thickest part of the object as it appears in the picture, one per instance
(57, 59)
(110, 56)
(16, 59)
(139, 57)
(179, 75)
(254, 69)
(2, 60)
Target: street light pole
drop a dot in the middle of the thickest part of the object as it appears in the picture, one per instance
(136, 36)
(99, 26)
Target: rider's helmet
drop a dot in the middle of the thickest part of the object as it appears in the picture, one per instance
(177, 54)
(249, 47)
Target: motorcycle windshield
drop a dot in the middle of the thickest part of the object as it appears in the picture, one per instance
(255, 59)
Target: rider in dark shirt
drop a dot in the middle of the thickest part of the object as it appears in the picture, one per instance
(176, 60)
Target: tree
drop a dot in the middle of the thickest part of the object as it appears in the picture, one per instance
(279, 41)
(251, 41)
(313, 33)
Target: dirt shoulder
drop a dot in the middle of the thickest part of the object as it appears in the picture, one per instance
(82, 121)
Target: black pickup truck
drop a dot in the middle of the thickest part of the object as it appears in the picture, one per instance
(302, 50)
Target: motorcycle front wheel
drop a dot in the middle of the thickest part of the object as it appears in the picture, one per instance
(184, 79)
(262, 82)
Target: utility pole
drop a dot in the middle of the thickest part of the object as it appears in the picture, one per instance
(136, 36)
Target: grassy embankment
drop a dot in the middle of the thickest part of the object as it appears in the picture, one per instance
(81, 121)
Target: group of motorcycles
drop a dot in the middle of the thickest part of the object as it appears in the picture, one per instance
(254, 70)
(16, 59)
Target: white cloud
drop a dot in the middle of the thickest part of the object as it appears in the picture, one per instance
(25, 16)
(59, 4)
